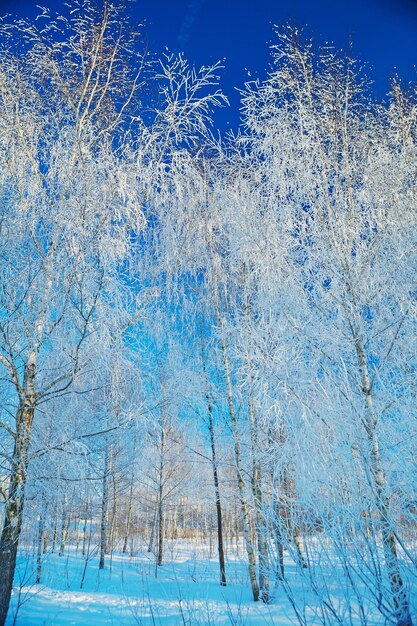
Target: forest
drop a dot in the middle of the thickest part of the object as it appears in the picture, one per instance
(207, 342)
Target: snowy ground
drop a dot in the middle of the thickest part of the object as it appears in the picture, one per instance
(186, 592)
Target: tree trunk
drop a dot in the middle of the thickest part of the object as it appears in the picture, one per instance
(130, 502)
(161, 497)
(261, 534)
(220, 545)
(160, 532)
(84, 533)
(40, 542)
(152, 535)
(13, 515)
(113, 527)
(55, 532)
(398, 590)
(77, 534)
(128, 519)
(261, 526)
(292, 528)
(128, 514)
(45, 542)
(218, 501)
(277, 531)
(104, 507)
(64, 530)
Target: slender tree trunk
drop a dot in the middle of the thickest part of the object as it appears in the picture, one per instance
(277, 530)
(77, 534)
(398, 590)
(46, 538)
(54, 534)
(130, 502)
(153, 527)
(278, 533)
(289, 515)
(261, 533)
(160, 532)
(85, 533)
(41, 542)
(65, 521)
(298, 546)
(161, 497)
(41, 526)
(175, 523)
(128, 518)
(104, 507)
(13, 514)
(220, 545)
(113, 528)
(261, 526)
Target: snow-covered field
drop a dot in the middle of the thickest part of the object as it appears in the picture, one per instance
(127, 592)
(184, 591)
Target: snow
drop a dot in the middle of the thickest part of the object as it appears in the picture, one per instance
(126, 592)
(185, 590)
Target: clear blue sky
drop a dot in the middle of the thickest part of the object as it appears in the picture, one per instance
(384, 33)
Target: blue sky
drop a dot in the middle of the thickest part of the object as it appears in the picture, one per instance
(384, 33)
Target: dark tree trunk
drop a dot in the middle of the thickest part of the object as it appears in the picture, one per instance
(161, 498)
(220, 544)
(218, 501)
(160, 533)
(104, 507)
